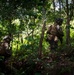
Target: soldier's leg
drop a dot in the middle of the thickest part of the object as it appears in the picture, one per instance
(53, 45)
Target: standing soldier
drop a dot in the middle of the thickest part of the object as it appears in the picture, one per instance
(6, 46)
(55, 33)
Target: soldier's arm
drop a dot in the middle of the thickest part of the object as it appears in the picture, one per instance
(60, 35)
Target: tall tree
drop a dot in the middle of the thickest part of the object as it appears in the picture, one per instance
(54, 7)
(68, 25)
(43, 30)
(60, 7)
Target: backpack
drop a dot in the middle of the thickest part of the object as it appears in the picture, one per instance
(54, 33)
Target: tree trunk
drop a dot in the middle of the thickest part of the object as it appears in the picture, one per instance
(41, 39)
(60, 7)
(18, 41)
(73, 7)
(42, 34)
(67, 26)
(54, 7)
(73, 2)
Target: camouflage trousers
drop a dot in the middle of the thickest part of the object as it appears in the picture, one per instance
(53, 45)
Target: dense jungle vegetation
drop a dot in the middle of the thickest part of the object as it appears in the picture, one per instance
(28, 21)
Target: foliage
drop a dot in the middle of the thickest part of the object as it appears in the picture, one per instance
(24, 19)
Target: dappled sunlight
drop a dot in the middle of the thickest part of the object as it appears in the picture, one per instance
(16, 22)
(34, 48)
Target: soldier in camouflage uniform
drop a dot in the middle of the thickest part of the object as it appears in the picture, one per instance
(5, 49)
(55, 33)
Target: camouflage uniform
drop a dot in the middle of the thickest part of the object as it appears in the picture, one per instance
(5, 49)
(54, 34)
